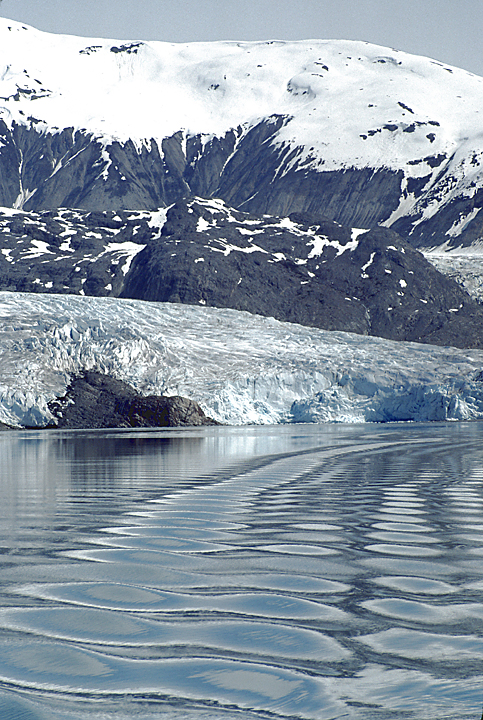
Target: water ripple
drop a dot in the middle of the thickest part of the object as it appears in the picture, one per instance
(305, 572)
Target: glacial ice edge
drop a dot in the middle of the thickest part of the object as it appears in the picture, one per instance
(241, 368)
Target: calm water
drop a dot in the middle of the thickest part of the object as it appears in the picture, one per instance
(271, 572)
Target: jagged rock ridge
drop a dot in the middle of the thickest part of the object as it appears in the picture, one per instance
(68, 251)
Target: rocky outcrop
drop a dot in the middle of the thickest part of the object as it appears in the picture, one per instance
(67, 251)
(303, 269)
(94, 400)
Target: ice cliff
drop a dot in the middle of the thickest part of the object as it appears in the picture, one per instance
(241, 368)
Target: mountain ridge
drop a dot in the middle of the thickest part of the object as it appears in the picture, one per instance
(362, 134)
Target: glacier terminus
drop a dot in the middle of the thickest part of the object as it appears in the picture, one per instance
(241, 368)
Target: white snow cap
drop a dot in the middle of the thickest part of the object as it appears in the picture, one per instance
(346, 102)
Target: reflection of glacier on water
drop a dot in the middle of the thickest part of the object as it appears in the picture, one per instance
(293, 571)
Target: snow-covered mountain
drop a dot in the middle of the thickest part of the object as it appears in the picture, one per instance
(359, 133)
(216, 357)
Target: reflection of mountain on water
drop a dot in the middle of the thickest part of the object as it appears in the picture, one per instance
(54, 467)
(51, 474)
(90, 445)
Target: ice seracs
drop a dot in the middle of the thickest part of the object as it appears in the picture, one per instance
(216, 357)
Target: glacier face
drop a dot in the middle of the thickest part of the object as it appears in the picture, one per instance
(241, 368)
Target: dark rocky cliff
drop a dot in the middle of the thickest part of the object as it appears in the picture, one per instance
(304, 269)
(41, 170)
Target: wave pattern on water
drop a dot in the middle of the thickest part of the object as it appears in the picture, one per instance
(313, 573)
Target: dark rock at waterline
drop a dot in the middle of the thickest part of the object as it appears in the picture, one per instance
(94, 400)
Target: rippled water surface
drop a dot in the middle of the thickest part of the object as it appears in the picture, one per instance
(265, 572)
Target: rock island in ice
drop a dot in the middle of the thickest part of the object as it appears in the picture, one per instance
(241, 368)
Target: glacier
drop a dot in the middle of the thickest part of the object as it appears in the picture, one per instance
(241, 368)
(462, 264)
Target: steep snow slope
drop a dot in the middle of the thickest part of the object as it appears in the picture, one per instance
(241, 368)
(148, 90)
(359, 132)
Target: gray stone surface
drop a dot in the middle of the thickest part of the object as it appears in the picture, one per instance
(94, 400)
